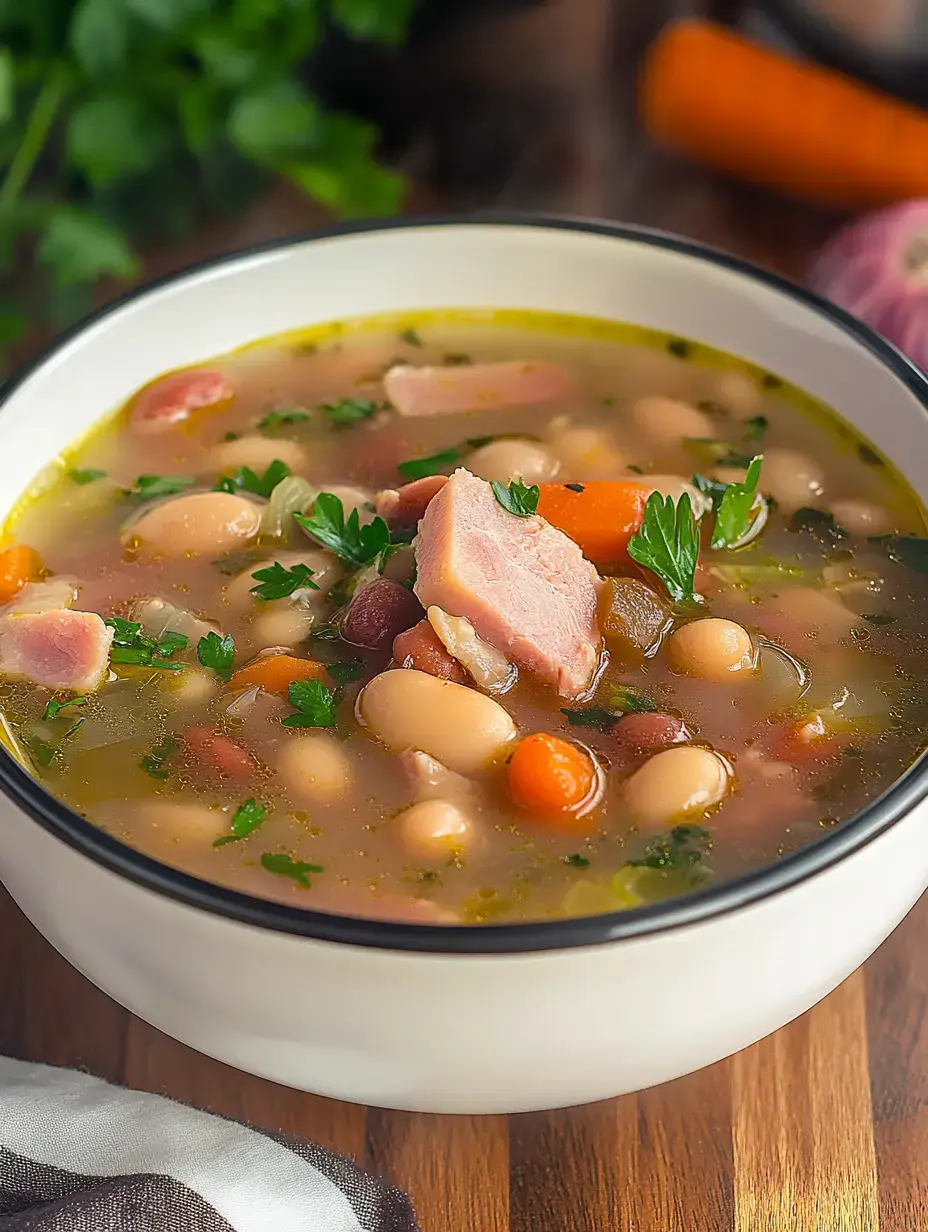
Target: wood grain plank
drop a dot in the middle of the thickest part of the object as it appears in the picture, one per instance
(455, 1168)
(897, 1030)
(155, 1062)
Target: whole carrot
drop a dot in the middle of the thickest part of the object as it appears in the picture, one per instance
(770, 120)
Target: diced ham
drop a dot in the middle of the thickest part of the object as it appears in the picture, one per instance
(59, 649)
(644, 733)
(216, 754)
(403, 507)
(421, 649)
(168, 402)
(474, 387)
(525, 587)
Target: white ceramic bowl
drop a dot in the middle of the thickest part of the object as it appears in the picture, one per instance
(499, 1018)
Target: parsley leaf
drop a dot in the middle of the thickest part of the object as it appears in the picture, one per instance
(325, 633)
(277, 582)
(247, 818)
(153, 762)
(43, 752)
(345, 672)
(133, 647)
(680, 849)
(85, 476)
(592, 716)
(733, 518)
(349, 540)
(819, 524)
(577, 861)
(284, 865)
(53, 709)
(348, 411)
(147, 487)
(908, 550)
(755, 428)
(627, 700)
(279, 417)
(411, 338)
(314, 704)
(517, 498)
(574, 487)
(710, 488)
(419, 468)
(216, 652)
(668, 544)
(247, 480)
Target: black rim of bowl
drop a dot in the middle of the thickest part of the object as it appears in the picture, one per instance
(838, 844)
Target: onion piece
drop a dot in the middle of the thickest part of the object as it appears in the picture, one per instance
(292, 495)
(50, 596)
(487, 666)
(243, 703)
(877, 268)
(159, 616)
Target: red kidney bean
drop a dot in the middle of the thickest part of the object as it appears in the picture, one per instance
(403, 507)
(642, 733)
(378, 613)
(420, 648)
(168, 402)
(216, 753)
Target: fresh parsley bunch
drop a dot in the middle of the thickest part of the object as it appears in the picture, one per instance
(121, 119)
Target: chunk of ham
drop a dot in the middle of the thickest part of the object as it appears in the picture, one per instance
(164, 404)
(524, 586)
(403, 507)
(474, 387)
(59, 649)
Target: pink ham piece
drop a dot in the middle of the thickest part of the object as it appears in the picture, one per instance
(59, 649)
(474, 387)
(525, 587)
(403, 507)
(168, 402)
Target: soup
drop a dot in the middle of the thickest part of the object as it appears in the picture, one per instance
(471, 617)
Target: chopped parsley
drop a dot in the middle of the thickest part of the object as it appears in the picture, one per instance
(627, 700)
(133, 647)
(348, 411)
(577, 861)
(434, 464)
(681, 849)
(277, 582)
(819, 524)
(280, 417)
(574, 487)
(455, 360)
(868, 455)
(147, 487)
(313, 702)
(411, 338)
(908, 550)
(635, 470)
(43, 752)
(345, 672)
(348, 539)
(738, 509)
(714, 451)
(154, 762)
(769, 381)
(680, 347)
(53, 709)
(232, 436)
(668, 544)
(325, 633)
(878, 618)
(517, 499)
(284, 865)
(247, 818)
(710, 488)
(592, 716)
(247, 480)
(85, 476)
(755, 427)
(217, 653)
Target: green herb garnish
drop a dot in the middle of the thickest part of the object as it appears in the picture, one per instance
(247, 818)
(819, 524)
(284, 865)
(148, 487)
(85, 476)
(153, 762)
(216, 652)
(574, 487)
(591, 716)
(517, 499)
(682, 849)
(277, 582)
(733, 517)
(878, 618)
(755, 427)
(456, 360)
(434, 464)
(627, 700)
(278, 418)
(314, 704)
(680, 347)
(345, 672)
(868, 455)
(349, 540)
(133, 647)
(411, 338)
(43, 752)
(716, 452)
(53, 709)
(247, 480)
(908, 550)
(325, 633)
(232, 436)
(577, 861)
(668, 544)
(349, 411)
(710, 488)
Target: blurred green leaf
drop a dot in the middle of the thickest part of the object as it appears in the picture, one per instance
(225, 59)
(114, 136)
(13, 321)
(197, 113)
(341, 173)
(99, 34)
(383, 20)
(7, 84)
(169, 16)
(79, 247)
(275, 124)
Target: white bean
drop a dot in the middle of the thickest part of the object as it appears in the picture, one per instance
(171, 823)
(192, 686)
(739, 392)
(861, 517)
(316, 768)
(202, 522)
(517, 458)
(819, 612)
(585, 453)
(257, 452)
(353, 498)
(712, 649)
(792, 478)
(463, 729)
(666, 420)
(435, 829)
(283, 624)
(676, 784)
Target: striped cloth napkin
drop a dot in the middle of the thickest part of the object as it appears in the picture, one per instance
(80, 1155)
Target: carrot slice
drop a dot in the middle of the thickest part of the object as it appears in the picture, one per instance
(274, 673)
(551, 778)
(600, 517)
(18, 565)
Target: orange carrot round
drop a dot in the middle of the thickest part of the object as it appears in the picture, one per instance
(274, 673)
(18, 565)
(600, 517)
(550, 777)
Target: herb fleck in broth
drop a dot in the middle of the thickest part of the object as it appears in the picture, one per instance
(227, 738)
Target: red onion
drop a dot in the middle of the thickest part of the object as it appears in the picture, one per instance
(877, 268)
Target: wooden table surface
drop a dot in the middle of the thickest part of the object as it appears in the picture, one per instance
(821, 1127)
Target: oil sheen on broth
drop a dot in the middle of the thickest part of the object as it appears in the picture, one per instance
(579, 716)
